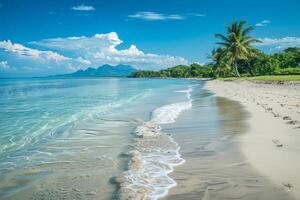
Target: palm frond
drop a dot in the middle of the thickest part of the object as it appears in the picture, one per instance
(222, 37)
(250, 41)
(247, 30)
(241, 25)
(224, 44)
(236, 45)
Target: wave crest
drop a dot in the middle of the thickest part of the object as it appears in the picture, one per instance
(154, 156)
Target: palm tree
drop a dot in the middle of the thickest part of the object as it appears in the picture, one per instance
(237, 43)
(220, 65)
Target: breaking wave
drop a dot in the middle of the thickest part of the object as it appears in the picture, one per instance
(154, 156)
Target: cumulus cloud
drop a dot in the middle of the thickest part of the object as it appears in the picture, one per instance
(263, 23)
(25, 61)
(4, 65)
(279, 43)
(153, 16)
(102, 49)
(83, 8)
(64, 55)
(23, 51)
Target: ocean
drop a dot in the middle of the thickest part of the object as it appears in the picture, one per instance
(122, 138)
(81, 134)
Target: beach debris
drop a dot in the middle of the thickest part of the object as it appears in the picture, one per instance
(277, 143)
(286, 118)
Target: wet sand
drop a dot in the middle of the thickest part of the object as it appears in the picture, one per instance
(229, 151)
(271, 144)
(215, 168)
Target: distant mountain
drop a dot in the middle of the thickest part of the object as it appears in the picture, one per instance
(103, 71)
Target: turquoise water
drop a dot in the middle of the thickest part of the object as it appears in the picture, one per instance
(71, 133)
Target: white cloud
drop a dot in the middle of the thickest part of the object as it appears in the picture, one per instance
(23, 51)
(34, 62)
(102, 49)
(263, 23)
(83, 61)
(66, 55)
(279, 43)
(4, 65)
(196, 14)
(83, 8)
(266, 21)
(153, 16)
(259, 24)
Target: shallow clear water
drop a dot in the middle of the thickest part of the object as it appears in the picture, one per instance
(118, 138)
(65, 137)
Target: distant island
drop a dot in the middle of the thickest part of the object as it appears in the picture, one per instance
(102, 71)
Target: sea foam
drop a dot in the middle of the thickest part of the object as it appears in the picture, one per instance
(154, 156)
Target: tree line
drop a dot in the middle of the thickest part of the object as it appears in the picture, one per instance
(235, 56)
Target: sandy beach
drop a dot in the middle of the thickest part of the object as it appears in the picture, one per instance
(203, 140)
(271, 143)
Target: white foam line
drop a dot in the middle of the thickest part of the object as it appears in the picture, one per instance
(147, 176)
(168, 114)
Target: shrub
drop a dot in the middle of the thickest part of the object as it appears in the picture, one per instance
(287, 71)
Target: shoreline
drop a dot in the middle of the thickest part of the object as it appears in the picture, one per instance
(154, 156)
(271, 145)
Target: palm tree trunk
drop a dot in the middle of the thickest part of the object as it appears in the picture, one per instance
(236, 68)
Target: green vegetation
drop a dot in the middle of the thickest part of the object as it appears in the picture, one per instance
(180, 71)
(236, 45)
(265, 78)
(277, 78)
(236, 57)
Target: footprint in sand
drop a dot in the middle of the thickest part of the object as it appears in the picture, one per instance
(277, 143)
(293, 122)
(275, 114)
(286, 118)
(287, 187)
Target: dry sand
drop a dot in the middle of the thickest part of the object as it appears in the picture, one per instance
(272, 143)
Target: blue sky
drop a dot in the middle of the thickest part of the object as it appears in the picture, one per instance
(50, 37)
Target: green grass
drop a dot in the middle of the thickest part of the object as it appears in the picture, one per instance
(231, 78)
(265, 78)
(277, 78)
